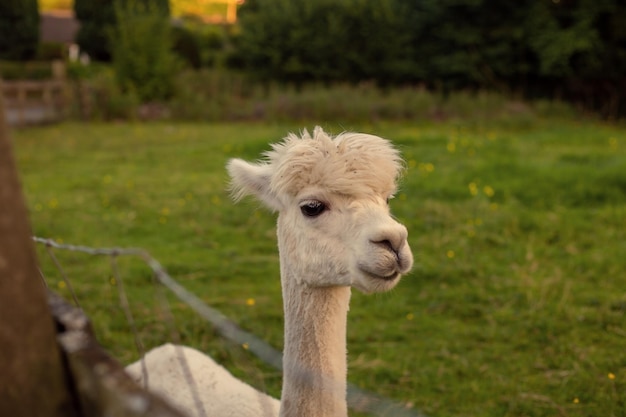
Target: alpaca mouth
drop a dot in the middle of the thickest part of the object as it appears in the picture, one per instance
(391, 277)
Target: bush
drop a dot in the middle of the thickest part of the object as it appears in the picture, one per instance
(142, 51)
(32, 70)
(109, 102)
(219, 95)
(97, 95)
(49, 51)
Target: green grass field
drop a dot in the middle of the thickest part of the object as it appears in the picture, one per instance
(516, 305)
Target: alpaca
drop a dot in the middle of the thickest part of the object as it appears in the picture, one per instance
(334, 232)
(199, 386)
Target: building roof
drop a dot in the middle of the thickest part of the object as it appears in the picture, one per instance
(58, 26)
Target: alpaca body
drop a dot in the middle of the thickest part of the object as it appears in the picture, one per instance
(334, 232)
(198, 386)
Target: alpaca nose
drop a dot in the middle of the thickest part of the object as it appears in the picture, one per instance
(386, 244)
(392, 239)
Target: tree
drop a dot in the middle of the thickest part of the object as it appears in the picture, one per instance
(97, 19)
(19, 29)
(581, 48)
(142, 53)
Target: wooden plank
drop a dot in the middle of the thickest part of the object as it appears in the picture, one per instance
(104, 389)
(32, 379)
(31, 86)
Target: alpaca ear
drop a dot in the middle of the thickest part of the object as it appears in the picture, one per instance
(252, 179)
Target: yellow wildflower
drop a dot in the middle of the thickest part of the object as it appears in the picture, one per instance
(473, 188)
(53, 203)
(250, 301)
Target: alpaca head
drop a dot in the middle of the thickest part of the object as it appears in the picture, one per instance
(332, 194)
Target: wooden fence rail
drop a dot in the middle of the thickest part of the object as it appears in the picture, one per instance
(33, 102)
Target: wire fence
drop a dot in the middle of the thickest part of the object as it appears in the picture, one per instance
(358, 399)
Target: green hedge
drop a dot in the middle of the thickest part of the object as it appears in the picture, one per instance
(22, 70)
(569, 49)
(324, 40)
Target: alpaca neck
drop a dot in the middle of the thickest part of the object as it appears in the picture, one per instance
(314, 358)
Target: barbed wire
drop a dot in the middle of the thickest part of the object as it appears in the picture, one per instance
(357, 398)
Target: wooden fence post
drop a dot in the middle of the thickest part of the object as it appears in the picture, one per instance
(32, 379)
(21, 103)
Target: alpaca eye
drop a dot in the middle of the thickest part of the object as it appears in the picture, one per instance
(313, 208)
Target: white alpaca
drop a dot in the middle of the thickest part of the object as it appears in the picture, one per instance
(334, 232)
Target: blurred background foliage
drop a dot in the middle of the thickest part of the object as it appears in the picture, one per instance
(19, 29)
(571, 50)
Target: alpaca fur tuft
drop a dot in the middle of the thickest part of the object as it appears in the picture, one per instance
(351, 164)
(356, 165)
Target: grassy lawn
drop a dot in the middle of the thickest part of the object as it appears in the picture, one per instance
(516, 306)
